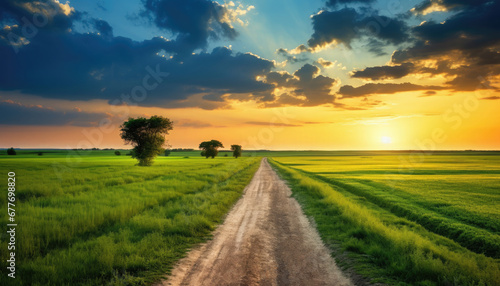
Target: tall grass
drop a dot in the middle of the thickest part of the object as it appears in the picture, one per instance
(472, 237)
(396, 252)
(110, 222)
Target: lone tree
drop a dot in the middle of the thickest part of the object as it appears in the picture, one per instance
(236, 150)
(117, 153)
(11, 151)
(147, 136)
(210, 148)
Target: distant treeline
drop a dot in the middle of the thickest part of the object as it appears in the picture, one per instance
(93, 149)
(112, 149)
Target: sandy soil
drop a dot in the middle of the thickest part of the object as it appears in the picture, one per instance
(265, 240)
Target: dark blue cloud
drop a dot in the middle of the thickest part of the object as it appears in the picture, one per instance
(12, 113)
(470, 30)
(470, 34)
(332, 26)
(63, 64)
(48, 13)
(292, 58)
(75, 66)
(348, 91)
(223, 70)
(450, 4)
(346, 25)
(334, 3)
(103, 28)
(88, 66)
(308, 87)
(384, 72)
(194, 21)
(314, 87)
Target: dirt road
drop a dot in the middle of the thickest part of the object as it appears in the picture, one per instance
(265, 240)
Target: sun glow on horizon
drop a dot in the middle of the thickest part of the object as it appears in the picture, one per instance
(386, 139)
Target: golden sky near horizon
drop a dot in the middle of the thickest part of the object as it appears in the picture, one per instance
(445, 122)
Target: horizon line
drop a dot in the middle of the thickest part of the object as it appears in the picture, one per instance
(277, 150)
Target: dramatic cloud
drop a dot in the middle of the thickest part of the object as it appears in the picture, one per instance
(324, 63)
(346, 25)
(63, 64)
(314, 87)
(429, 93)
(49, 49)
(465, 48)
(492, 97)
(429, 6)
(334, 3)
(291, 55)
(471, 36)
(194, 21)
(222, 71)
(306, 87)
(348, 91)
(376, 47)
(336, 26)
(384, 72)
(103, 28)
(12, 113)
(298, 50)
(27, 14)
(279, 78)
(474, 32)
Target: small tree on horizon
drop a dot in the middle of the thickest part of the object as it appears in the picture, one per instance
(236, 150)
(117, 153)
(210, 148)
(11, 151)
(147, 136)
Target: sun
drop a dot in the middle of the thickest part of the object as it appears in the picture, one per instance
(386, 139)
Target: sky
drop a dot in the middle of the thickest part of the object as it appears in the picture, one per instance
(277, 75)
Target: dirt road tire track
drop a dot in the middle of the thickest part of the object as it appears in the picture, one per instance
(265, 240)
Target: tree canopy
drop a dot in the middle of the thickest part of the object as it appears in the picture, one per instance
(236, 150)
(210, 148)
(147, 135)
(11, 151)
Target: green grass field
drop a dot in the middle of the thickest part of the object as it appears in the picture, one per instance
(435, 221)
(400, 218)
(99, 219)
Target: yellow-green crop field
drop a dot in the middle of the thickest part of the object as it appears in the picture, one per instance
(405, 218)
